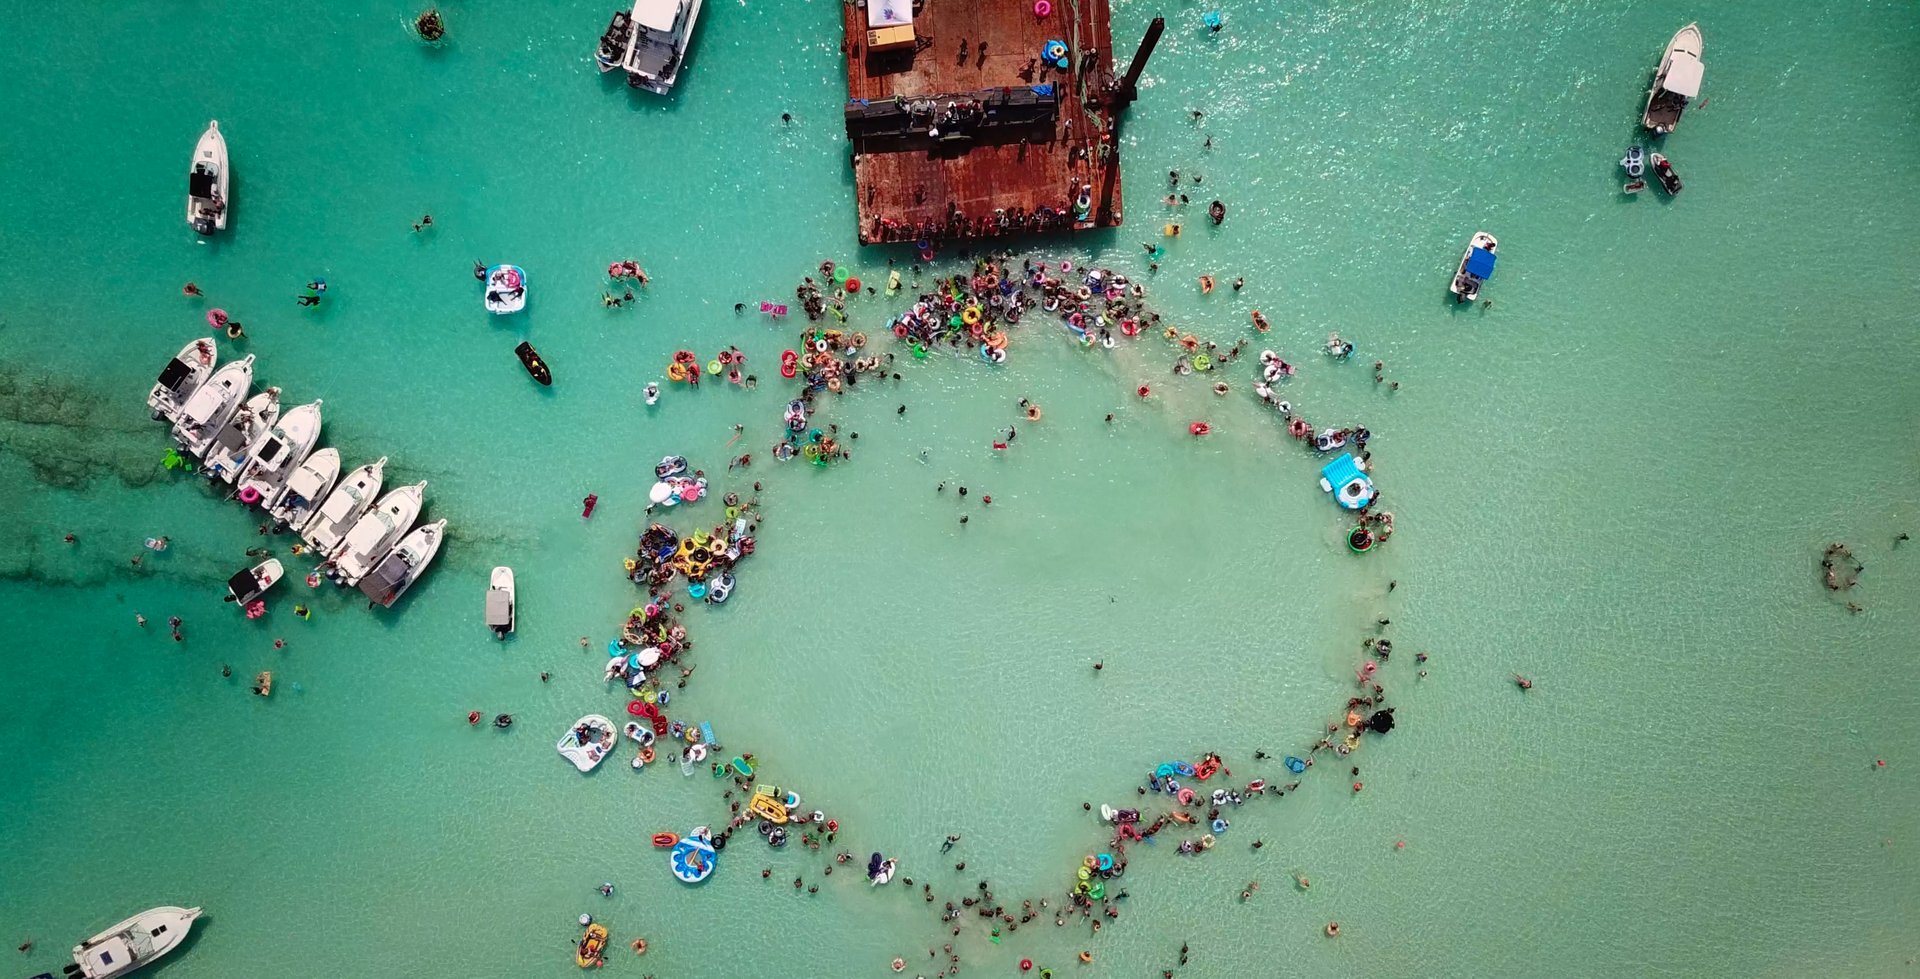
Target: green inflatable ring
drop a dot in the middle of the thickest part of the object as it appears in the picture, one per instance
(1201, 362)
(733, 513)
(919, 351)
(840, 273)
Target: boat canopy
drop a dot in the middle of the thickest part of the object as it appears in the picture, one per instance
(175, 374)
(200, 183)
(658, 15)
(1480, 263)
(499, 608)
(383, 583)
(1683, 75)
(243, 584)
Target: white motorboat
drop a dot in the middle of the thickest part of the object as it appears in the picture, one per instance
(1676, 81)
(182, 376)
(500, 602)
(227, 455)
(403, 565)
(1476, 267)
(208, 182)
(296, 501)
(374, 535)
(344, 507)
(209, 407)
(252, 583)
(132, 944)
(272, 457)
(658, 36)
(506, 289)
(588, 742)
(613, 42)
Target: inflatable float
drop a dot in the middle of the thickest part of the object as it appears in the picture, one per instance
(692, 859)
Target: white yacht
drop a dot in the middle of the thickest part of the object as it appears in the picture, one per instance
(209, 407)
(182, 376)
(277, 452)
(344, 507)
(374, 535)
(207, 183)
(305, 489)
(1676, 81)
(403, 565)
(227, 455)
(132, 944)
(500, 602)
(657, 39)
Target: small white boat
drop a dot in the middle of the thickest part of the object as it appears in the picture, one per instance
(1676, 81)
(374, 535)
(403, 565)
(207, 183)
(277, 453)
(658, 36)
(227, 454)
(344, 507)
(296, 501)
(212, 405)
(132, 944)
(252, 583)
(506, 289)
(182, 376)
(588, 742)
(500, 602)
(1476, 267)
(613, 42)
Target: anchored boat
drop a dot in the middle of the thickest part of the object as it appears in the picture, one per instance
(252, 583)
(228, 453)
(375, 534)
(344, 507)
(207, 183)
(659, 33)
(530, 359)
(212, 406)
(274, 455)
(295, 502)
(404, 565)
(1476, 267)
(182, 376)
(1675, 82)
(132, 944)
(500, 602)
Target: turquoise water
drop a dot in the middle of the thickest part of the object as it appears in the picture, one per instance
(1616, 481)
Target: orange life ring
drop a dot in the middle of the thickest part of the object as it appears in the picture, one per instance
(1190, 342)
(833, 384)
(675, 372)
(996, 341)
(1086, 956)
(639, 946)
(1206, 284)
(646, 753)
(1033, 413)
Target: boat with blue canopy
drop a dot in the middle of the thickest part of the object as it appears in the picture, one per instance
(1476, 267)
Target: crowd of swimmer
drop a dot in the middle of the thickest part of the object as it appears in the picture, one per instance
(652, 639)
(959, 224)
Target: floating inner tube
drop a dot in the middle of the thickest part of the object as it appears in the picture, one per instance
(1295, 765)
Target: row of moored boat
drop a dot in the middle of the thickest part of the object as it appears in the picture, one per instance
(266, 458)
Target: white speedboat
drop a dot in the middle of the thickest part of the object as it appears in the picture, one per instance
(1476, 267)
(227, 454)
(403, 565)
(182, 376)
(374, 535)
(272, 457)
(207, 183)
(658, 36)
(297, 500)
(500, 602)
(506, 289)
(132, 944)
(209, 407)
(588, 742)
(1675, 82)
(344, 507)
(252, 583)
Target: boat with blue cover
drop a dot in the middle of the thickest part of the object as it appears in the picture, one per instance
(1346, 478)
(1476, 267)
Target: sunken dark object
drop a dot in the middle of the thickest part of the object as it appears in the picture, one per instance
(1381, 722)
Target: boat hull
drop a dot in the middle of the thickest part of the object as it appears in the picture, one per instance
(208, 214)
